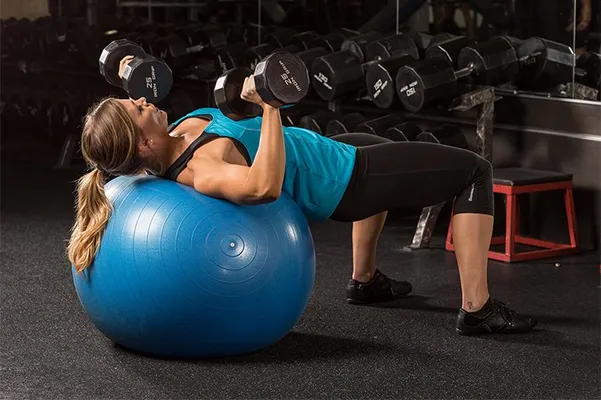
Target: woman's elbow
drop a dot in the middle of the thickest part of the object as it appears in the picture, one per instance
(265, 195)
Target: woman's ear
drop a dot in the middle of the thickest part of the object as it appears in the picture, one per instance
(144, 145)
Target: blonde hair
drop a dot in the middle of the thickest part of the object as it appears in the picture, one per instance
(109, 145)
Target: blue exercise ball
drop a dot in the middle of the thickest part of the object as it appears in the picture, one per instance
(180, 274)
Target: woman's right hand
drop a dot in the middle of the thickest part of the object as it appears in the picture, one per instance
(123, 63)
(249, 91)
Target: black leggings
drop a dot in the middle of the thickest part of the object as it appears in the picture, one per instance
(390, 175)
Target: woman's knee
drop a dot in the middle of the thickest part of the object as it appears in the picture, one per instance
(482, 170)
(477, 197)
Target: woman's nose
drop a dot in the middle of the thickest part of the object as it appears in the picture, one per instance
(141, 101)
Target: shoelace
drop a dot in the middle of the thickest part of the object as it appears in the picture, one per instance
(386, 280)
(507, 312)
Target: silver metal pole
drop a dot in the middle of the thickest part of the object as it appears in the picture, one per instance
(259, 19)
(149, 11)
(397, 16)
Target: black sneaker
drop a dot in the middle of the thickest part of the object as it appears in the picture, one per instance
(380, 288)
(495, 317)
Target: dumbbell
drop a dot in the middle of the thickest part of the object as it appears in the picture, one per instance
(386, 56)
(543, 64)
(380, 78)
(145, 76)
(344, 72)
(379, 126)
(414, 43)
(449, 49)
(307, 45)
(403, 132)
(280, 79)
(447, 134)
(279, 37)
(190, 44)
(318, 121)
(425, 82)
(588, 70)
(345, 124)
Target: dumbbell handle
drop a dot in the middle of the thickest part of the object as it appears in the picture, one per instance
(195, 49)
(529, 56)
(463, 72)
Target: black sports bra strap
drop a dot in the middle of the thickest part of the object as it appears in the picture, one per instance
(180, 164)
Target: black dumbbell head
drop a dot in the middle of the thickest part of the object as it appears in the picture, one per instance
(544, 63)
(336, 74)
(358, 45)
(380, 79)
(255, 54)
(227, 95)
(405, 132)
(280, 37)
(147, 77)
(112, 54)
(495, 61)
(590, 65)
(318, 121)
(378, 126)
(308, 56)
(281, 79)
(333, 41)
(231, 56)
(396, 44)
(447, 134)
(422, 83)
(449, 49)
(303, 40)
(345, 124)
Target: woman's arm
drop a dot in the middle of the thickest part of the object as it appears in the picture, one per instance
(259, 183)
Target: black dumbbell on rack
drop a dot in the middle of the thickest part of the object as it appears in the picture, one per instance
(449, 49)
(447, 134)
(588, 70)
(489, 63)
(145, 76)
(411, 42)
(344, 72)
(345, 124)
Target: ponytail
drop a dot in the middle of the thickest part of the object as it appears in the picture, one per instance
(93, 210)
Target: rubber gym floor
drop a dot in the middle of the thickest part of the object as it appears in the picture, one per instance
(402, 349)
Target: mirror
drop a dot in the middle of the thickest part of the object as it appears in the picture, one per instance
(572, 24)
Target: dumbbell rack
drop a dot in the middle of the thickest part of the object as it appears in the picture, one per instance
(484, 99)
(480, 98)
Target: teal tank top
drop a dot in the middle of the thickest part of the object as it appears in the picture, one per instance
(318, 169)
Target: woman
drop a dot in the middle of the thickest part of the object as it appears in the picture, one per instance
(356, 177)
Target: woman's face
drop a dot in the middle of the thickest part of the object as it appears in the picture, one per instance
(151, 121)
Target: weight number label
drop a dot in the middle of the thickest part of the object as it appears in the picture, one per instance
(288, 80)
(321, 78)
(378, 87)
(409, 90)
(151, 82)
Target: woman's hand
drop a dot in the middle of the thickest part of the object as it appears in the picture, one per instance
(249, 92)
(123, 63)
